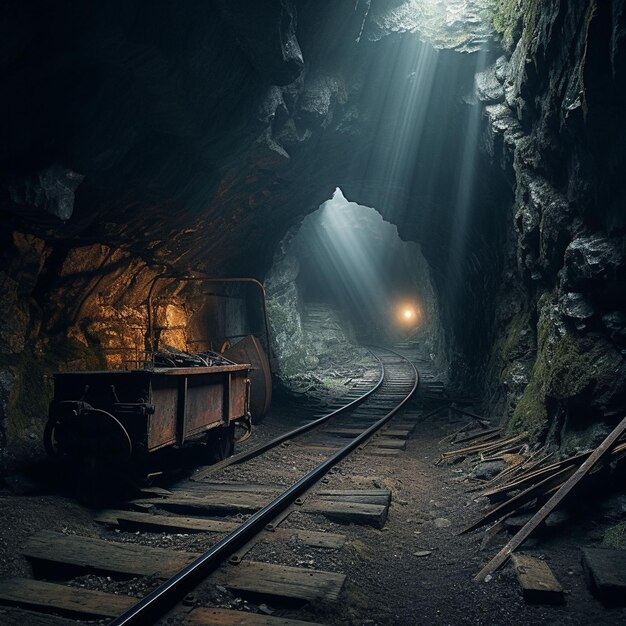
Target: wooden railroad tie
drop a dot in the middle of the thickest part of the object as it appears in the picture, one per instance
(135, 520)
(97, 555)
(86, 604)
(351, 506)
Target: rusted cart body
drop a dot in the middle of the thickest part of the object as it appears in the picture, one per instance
(120, 414)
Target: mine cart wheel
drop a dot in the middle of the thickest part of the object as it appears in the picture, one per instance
(221, 444)
(50, 443)
(103, 436)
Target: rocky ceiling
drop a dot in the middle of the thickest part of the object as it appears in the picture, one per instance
(193, 135)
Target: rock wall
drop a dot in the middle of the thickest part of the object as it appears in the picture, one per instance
(555, 125)
(307, 339)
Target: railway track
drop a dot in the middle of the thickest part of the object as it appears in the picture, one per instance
(245, 501)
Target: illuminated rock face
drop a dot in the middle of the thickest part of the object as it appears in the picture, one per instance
(144, 137)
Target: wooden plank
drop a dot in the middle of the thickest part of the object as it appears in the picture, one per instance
(155, 491)
(597, 455)
(349, 512)
(532, 475)
(138, 520)
(318, 448)
(224, 502)
(73, 600)
(146, 521)
(10, 616)
(483, 447)
(526, 480)
(208, 486)
(538, 583)
(398, 432)
(282, 581)
(355, 432)
(226, 617)
(307, 537)
(605, 570)
(388, 443)
(517, 501)
(383, 500)
(339, 493)
(98, 555)
(371, 497)
(373, 451)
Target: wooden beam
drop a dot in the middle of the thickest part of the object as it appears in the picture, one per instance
(226, 617)
(537, 581)
(523, 534)
(10, 616)
(349, 512)
(96, 555)
(73, 600)
(522, 498)
(134, 520)
(281, 581)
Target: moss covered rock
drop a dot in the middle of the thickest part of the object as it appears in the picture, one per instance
(570, 371)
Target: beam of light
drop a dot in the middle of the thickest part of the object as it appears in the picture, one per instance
(358, 260)
(467, 179)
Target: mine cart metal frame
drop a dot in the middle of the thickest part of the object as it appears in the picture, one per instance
(124, 415)
(114, 417)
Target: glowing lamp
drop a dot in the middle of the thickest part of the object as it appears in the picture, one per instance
(408, 314)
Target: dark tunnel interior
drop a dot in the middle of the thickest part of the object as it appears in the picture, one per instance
(312, 312)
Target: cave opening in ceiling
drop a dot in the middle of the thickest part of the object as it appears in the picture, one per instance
(345, 278)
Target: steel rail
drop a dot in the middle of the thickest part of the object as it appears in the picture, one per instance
(164, 597)
(300, 430)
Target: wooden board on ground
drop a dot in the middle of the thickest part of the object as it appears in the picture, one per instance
(375, 451)
(389, 443)
(208, 486)
(349, 512)
(146, 521)
(362, 499)
(226, 617)
(596, 457)
(72, 600)
(219, 502)
(105, 556)
(538, 583)
(362, 493)
(605, 570)
(356, 431)
(139, 520)
(282, 581)
(10, 616)
(314, 448)
(312, 538)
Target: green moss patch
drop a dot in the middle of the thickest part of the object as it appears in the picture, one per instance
(508, 15)
(615, 537)
(565, 366)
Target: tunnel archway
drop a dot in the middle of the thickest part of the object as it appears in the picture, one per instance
(343, 279)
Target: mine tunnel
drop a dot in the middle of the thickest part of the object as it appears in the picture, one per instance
(313, 313)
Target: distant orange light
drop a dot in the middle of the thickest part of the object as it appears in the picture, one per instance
(408, 315)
